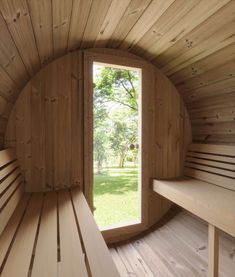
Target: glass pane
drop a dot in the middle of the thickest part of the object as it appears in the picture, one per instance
(116, 144)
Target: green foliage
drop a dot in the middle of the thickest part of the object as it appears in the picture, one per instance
(115, 114)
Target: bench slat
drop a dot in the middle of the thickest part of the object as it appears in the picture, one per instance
(9, 232)
(10, 207)
(212, 157)
(45, 260)
(99, 258)
(8, 169)
(223, 150)
(7, 155)
(19, 258)
(214, 204)
(213, 170)
(72, 257)
(210, 178)
(10, 190)
(9, 180)
(211, 163)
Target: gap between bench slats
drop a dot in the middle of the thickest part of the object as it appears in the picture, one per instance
(9, 233)
(225, 159)
(217, 164)
(18, 261)
(99, 258)
(10, 206)
(30, 242)
(222, 150)
(72, 258)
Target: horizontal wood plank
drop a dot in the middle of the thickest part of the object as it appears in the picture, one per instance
(218, 180)
(7, 155)
(72, 257)
(100, 261)
(214, 204)
(45, 260)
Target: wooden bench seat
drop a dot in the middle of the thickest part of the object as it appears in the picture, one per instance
(207, 189)
(50, 234)
(214, 204)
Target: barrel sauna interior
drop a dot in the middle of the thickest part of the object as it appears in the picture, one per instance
(186, 52)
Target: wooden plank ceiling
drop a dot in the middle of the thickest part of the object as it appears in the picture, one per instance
(192, 42)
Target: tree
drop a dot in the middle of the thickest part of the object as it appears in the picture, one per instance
(115, 113)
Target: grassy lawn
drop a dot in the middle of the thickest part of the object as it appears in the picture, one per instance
(115, 196)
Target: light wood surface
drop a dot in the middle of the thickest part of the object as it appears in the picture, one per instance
(211, 163)
(214, 204)
(71, 254)
(208, 191)
(54, 234)
(191, 41)
(99, 259)
(166, 133)
(11, 185)
(22, 249)
(213, 251)
(51, 128)
(45, 259)
(176, 248)
(46, 126)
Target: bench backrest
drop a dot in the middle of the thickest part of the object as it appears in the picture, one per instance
(211, 163)
(11, 185)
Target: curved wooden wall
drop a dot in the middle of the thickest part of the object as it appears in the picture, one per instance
(47, 122)
(192, 42)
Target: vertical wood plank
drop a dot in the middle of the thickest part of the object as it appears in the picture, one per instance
(79, 17)
(37, 116)
(61, 13)
(17, 17)
(213, 251)
(41, 14)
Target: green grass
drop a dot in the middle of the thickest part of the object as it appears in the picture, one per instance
(116, 196)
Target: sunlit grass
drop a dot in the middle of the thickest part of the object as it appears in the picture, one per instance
(116, 196)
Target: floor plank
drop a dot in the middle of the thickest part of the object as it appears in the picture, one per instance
(178, 248)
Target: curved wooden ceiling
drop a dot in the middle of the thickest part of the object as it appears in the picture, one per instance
(191, 41)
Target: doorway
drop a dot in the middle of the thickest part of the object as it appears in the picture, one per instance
(116, 145)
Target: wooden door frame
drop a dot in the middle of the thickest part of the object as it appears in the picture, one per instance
(128, 60)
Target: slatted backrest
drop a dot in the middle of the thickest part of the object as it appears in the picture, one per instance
(11, 185)
(211, 163)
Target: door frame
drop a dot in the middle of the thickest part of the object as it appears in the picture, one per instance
(114, 57)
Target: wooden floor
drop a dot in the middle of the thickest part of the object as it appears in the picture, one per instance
(177, 248)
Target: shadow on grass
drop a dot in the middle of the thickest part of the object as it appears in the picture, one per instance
(115, 181)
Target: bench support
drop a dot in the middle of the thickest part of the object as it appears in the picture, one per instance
(213, 251)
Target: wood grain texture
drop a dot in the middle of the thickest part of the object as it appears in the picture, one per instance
(47, 126)
(50, 127)
(11, 185)
(99, 259)
(202, 199)
(54, 234)
(179, 247)
(165, 134)
(183, 38)
(25, 240)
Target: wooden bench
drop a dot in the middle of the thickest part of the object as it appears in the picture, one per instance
(206, 190)
(47, 234)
